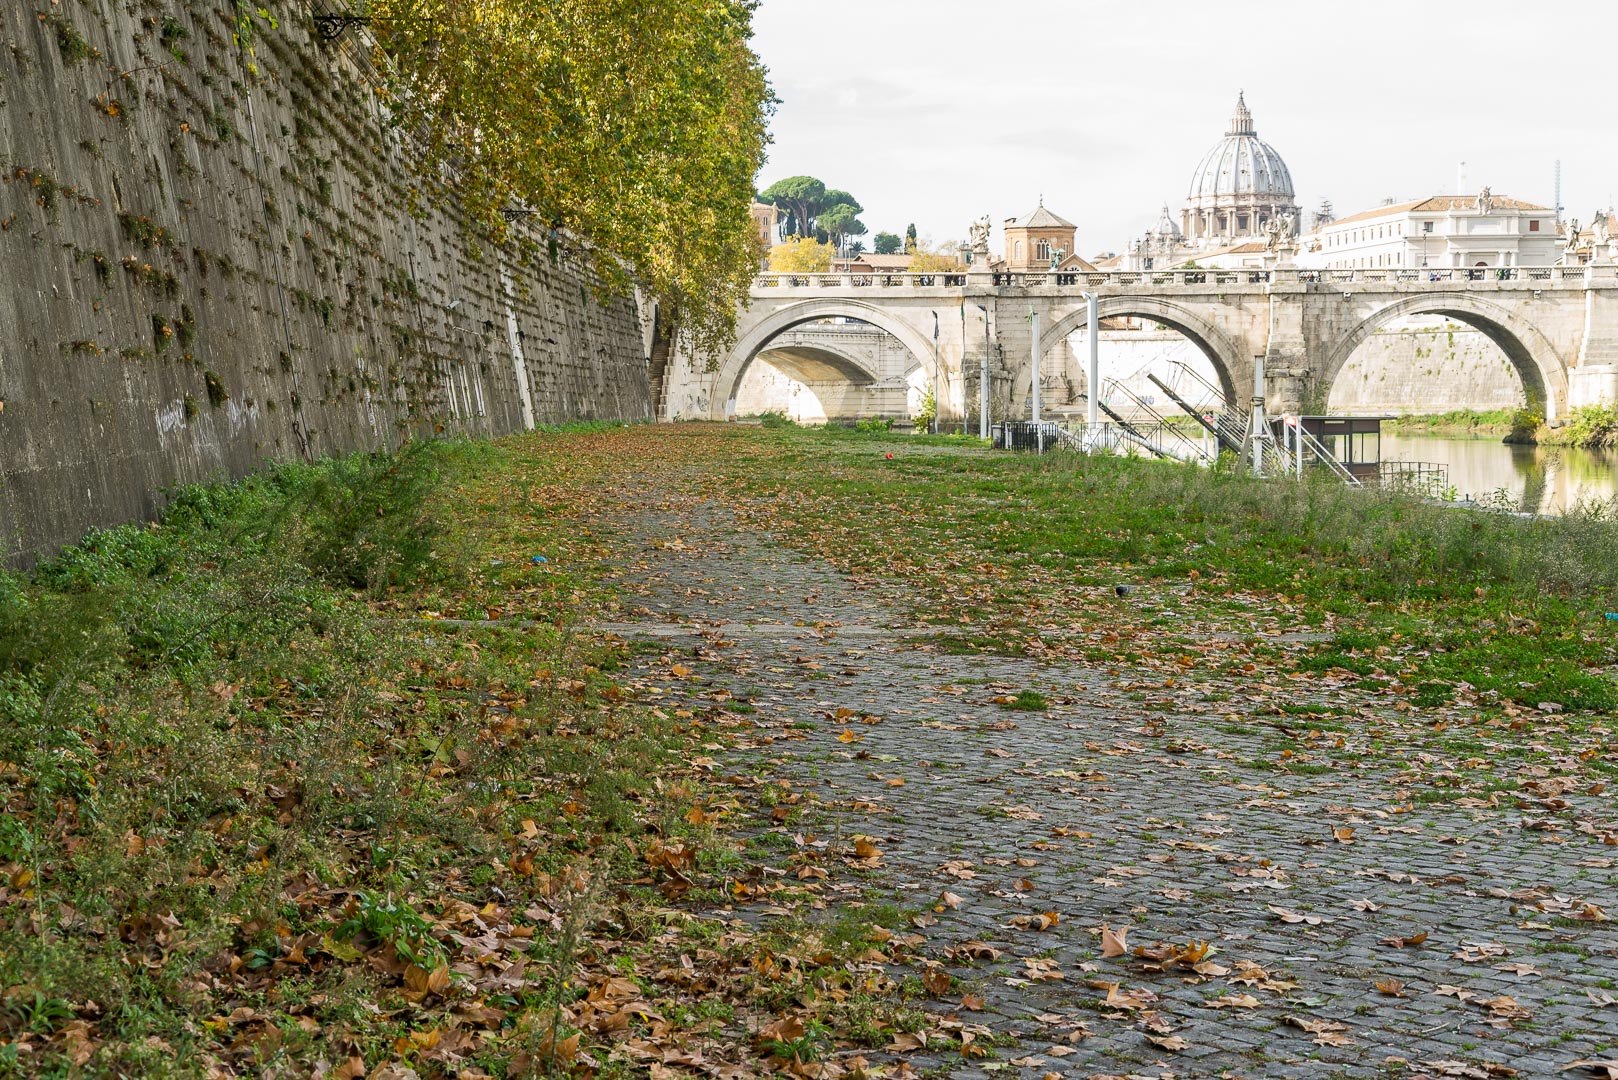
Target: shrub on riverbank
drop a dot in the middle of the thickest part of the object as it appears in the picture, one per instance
(1592, 427)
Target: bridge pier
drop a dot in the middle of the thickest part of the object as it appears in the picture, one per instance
(1595, 380)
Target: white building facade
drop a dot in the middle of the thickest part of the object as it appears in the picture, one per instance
(1441, 232)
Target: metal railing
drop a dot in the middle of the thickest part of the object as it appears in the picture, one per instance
(1298, 448)
(1442, 277)
(1122, 437)
(1177, 443)
(1429, 479)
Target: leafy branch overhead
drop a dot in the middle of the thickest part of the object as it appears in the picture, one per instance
(636, 124)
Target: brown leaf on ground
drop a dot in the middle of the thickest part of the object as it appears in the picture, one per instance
(974, 950)
(1505, 1006)
(1404, 942)
(1295, 917)
(1606, 1070)
(1483, 1070)
(1169, 1042)
(1391, 987)
(1113, 942)
(1232, 1001)
(906, 1042)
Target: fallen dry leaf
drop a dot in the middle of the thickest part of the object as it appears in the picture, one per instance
(1294, 917)
(1606, 1070)
(1232, 1001)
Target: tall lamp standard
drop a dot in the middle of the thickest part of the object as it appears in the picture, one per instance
(935, 373)
(983, 379)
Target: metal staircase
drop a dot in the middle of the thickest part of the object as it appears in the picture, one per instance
(1171, 442)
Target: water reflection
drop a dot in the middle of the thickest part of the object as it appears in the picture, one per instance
(1545, 478)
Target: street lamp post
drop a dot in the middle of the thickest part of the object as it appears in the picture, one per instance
(1092, 329)
(1039, 432)
(935, 373)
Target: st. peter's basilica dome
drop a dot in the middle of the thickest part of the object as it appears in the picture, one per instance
(1238, 186)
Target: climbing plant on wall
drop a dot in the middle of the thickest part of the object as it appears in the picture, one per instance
(636, 124)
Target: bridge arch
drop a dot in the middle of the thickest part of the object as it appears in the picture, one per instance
(1215, 344)
(756, 338)
(1538, 365)
(829, 357)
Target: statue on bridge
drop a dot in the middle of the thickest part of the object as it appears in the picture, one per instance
(979, 233)
(1602, 227)
(1278, 234)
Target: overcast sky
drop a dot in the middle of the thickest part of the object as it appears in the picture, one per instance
(938, 111)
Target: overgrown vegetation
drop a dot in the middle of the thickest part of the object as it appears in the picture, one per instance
(1508, 607)
(1591, 426)
(266, 807)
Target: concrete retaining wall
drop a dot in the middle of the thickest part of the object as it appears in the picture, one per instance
(203, 269)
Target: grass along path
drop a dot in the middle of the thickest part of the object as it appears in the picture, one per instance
(1116, 865)
(331, 769)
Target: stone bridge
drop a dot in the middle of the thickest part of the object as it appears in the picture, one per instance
(1558, 326)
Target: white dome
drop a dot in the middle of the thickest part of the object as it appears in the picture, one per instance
(1241, 164)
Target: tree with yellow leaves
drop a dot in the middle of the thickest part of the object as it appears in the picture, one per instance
(636, 125)
(800, 256)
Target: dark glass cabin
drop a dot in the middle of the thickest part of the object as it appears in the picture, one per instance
(1355, 441)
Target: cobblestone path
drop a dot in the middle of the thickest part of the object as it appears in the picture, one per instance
(1153, 807)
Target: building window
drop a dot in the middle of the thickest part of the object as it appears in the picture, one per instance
(1426, 226)
(1043, 250)
(1019, 251)
(1533, 226)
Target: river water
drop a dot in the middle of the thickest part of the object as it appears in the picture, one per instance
(1547, 479)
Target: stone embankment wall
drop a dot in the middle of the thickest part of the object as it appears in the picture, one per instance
(204, 268)
(1429, 367)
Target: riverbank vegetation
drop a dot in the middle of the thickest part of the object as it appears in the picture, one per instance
(1465, 423)
(1592, 427)
(636, 126)
(271, 810)
(1588, 427)
(1415, 597)
(329, 767)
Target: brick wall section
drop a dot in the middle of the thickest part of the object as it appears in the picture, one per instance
(201, 271)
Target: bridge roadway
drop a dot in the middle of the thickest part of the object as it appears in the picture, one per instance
(1557, 325)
